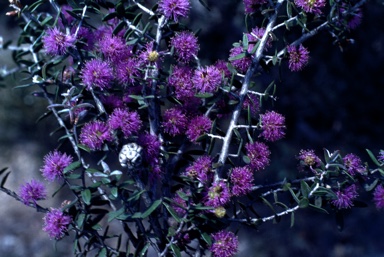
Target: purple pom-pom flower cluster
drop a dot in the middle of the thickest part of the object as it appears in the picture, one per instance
(56, 42)
(298, 57)
(186, 46)
(272, 125)
(258, 154)
(225, 244)
(56, 223)
(345, 197)
(174, 9)
(32, 192)
(242, 180)
(95, 134)
(54, 164)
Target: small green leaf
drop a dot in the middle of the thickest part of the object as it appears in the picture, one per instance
(137, 19)
(237, 57)
(72, 166)
(86, 195)
(318, 208)
(144, 250)
(318, 201)
(245, 42)
(97, 227)
(115, 192)
(35, 5)
(172, 212)
(370, 187)
(289, 9)
(207, 238)
(135, 196)
(118, 28)
(83, 147)
(373, 158)
(116, 173)
(109, 16)
(304, 202)
(305, 189)
(73, 175)
(266, 202)
(102, 253)
(294, 195)
(292, 219)
(176, 250)
(246, 159)
(204, 95)
(153, 207)
(80, 220)
(114, 214)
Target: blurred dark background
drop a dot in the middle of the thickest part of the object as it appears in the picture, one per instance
(334, 103)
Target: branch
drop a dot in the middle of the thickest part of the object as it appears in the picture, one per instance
(74, 146)
(244, 90)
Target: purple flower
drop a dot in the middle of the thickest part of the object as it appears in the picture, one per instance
(56, 42)
(151, 146)
(114, 48)
(56, 223)
(273, 125)
(354, 19)
(180, 79)
(345, 197)
(207, 80)
(112, 102)
(128, 122)
(242, 64)
(32, 191)
(242, 180)
(149, 56)
(54, 164)
(255, 36)
(252, 5)
(353, 164)
(309, 158)
(86, 37)
(378, 197)
(258, 154)
(175, 122)
(127, 71)
(311, 6)
(186, 46)
(180, 204)
(97, 73)
(298, 57)
(252, 102)
(218, 194)
(225, 244)
(222, 66)
(174, 8)
(198, 126)
(64, 11)
(381, 156)
(201, 169)
(94, 134)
